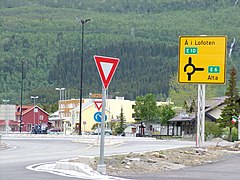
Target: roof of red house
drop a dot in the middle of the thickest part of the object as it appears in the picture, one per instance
(26, 109)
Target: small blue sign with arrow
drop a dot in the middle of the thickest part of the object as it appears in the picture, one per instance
(98, 117)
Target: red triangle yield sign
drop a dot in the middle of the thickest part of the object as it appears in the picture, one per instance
(98, 104)
(106, 68)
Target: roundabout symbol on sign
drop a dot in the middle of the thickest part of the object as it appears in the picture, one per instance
(98, 117)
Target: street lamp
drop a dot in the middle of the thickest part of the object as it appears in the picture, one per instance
(81, 74)
(60, 90)
(6, 119)
(6, 101)
(34, 97)
(20, 127)
(59, 107)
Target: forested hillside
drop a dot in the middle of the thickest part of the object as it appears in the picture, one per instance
(45, 36)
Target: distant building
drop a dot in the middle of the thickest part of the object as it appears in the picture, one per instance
(55, 120)
(31, 116)
(7, 117)
(69, 112)
(185, 123)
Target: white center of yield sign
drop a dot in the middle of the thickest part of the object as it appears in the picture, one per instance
(106, 67)
(98, 104)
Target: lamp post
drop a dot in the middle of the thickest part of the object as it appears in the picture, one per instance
(20, 127)
(60, 91)
(6, 119)
(34, 97)
(59, 106)
(81, 74)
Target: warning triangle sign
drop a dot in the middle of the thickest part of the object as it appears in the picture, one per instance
(98, 104)
(106, 68)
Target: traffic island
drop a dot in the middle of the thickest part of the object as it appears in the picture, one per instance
(163, 160)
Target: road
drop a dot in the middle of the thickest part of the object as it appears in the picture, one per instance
(228, 169)
(28, 151)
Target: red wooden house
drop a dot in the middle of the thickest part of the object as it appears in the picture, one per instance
(31, 116)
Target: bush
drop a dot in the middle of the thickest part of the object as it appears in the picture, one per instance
(212, 129)
(234, 134)
(119, 129)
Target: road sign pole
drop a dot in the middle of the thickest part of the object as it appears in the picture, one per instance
(202, 60)
(201, 116)
(239, 127)
(98, 131)
(101, 166)
(106, 67)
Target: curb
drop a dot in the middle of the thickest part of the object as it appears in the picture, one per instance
(79, 167)
(75, 170)
(97, 142)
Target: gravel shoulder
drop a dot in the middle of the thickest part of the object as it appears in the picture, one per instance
(157, 161)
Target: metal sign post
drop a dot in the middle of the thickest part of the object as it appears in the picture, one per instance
(106, 67)
(200, 116)
(239, 127)
(98, 131)
(101, 166)
(202, 60)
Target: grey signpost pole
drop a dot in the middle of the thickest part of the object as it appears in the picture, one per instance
(101, 166)
(106, 68)
(202, 63)
(98, 132)
(201, 116)
(239, 127)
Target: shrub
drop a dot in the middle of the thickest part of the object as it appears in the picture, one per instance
(212, 129)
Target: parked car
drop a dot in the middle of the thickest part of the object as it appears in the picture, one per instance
(147, 134)
(39, 129)
(54, 131)
(107, 132)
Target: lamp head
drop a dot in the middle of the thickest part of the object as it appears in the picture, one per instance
(87, 20)
(82, 20)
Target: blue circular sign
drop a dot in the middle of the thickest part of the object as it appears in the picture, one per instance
(98, 117)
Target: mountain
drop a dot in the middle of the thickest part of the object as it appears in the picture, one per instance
(45, 37)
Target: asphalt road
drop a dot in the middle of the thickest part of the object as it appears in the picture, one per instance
(28, 151)
(227, 169)
(13, 162)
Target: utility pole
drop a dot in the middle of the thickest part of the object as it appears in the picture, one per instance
(34, 97)
(20, 126)
(81, 77)
(59, 105)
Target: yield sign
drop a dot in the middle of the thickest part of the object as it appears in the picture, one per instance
(98, 104)
(106, 68)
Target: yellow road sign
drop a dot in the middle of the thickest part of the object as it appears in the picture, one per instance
(202, 59)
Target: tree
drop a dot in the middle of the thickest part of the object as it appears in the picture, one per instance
(146, 108)
(231, 106)
(166, 113)
(212, 129)
(121, 125)
(185, 106)
(182, 93)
